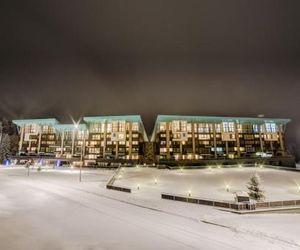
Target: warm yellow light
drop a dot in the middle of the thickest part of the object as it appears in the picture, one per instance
(190, 192)
(155, 181)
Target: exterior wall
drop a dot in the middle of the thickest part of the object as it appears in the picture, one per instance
(37, 139)
(114, 140)
(184, 140)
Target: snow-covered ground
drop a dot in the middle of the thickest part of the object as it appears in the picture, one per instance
(211, 183)
(53, 210)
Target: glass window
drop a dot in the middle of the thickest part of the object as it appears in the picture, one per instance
(271, 128)
(135, 126)
(95, 128)
(203, 128)
(162, 126)
(228, 127)
(255, 128)
(179, 126)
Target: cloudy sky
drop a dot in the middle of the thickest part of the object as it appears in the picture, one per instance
(73, 58)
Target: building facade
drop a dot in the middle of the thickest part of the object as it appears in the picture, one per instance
(200, 137)
(174, 138)
(95, 138)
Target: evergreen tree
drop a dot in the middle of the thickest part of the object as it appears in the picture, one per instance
(255, 192)
(4, 145)
(149, 154)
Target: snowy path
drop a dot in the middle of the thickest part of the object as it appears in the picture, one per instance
(42, 213)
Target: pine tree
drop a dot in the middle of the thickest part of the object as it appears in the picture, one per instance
(4, 145)
(255, 192)
(149, 155)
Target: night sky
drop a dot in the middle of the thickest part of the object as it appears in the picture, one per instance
(73, 58)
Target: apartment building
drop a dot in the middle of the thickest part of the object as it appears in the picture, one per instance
(95, 138)
(205, 137)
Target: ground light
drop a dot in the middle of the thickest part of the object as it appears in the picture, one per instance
(138, 186)
(240, 165)
(155, 181)
(219, 166)
(190, 193)
(261, 166)
(227, 187)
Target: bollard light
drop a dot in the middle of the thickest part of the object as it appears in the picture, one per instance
(227, 187)
(155, 181)
(138, 186)
(190, 193)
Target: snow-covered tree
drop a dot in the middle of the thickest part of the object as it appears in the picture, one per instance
(4, 145)
(255, 192)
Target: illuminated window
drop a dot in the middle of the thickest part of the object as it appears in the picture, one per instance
(31, 128)
(218, 128)
(135, 126)
(228, 127)
(162, 126)
(163, 150)
(94, 150)
(96, 137)
(109, 127)
(189, 127)
(271, 128)
(204, 136)
(203, 128)
(179, 126)
(95, 128)
(255, 128)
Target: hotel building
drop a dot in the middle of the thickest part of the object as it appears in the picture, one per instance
(194, 139)
(204, 137)
(96, 138)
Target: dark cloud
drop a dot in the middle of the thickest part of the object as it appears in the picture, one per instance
(235, 58)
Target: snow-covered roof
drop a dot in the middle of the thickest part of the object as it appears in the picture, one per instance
(215, 119)
(42, 121)
(127, 118)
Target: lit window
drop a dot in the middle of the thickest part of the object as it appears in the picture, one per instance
(204, 136)
(162, 126)
(271, 128)
(228, 127)
(135, 126)
(95, 128)
(203, 128)
(255, 128)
